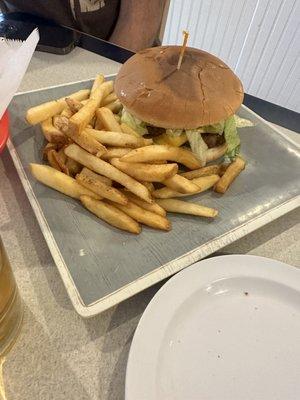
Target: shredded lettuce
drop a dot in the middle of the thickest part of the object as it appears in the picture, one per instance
(242, 122)
(232, 139)
(197, 144)
(219, 127)
(215, 128)
(134, 123)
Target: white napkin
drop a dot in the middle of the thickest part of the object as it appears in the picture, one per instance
(14, 59)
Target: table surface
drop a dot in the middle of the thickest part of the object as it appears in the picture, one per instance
(59, 355)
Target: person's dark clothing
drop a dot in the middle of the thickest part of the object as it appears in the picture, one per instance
(96, 17)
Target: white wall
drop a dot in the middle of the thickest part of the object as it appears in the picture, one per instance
(259, 39)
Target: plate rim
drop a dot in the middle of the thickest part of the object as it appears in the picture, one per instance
(160, 273)
(207, 270)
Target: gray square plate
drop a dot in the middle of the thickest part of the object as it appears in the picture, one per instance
(101, 266)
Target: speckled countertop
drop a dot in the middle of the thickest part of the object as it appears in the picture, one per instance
(58, 354)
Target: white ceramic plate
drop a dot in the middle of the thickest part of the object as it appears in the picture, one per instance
(225, 328)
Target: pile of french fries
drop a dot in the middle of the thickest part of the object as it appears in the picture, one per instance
(121, 177)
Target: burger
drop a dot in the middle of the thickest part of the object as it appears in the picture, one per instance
(193, 105)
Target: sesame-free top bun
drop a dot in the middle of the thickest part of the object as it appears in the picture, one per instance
(203, 91)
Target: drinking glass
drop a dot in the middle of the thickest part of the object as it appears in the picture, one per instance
(11, 308)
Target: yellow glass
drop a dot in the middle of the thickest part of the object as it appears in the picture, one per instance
(11, 308)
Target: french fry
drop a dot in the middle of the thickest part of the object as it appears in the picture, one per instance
(96, 85)
(163, 152)
(115, 106)
(87, 142)
(99, 124)
(149, 186)
(52, 134)
(59, 181)
(61, 123)
(101, 189)
(66, 112)
(92, 123)
(183, 207)
(99, 79)
(109, 99)
(204, 171)
(215, 152)
(180, 184)
(47, 148)
(158, 162)
(204, 183)
(61, 159)
(47, 110)
(223, 168)
(111, 214)
(108, 170)
(115, 152)
(96, 177)
(232, 171)
(52, 160)
(107, 118)
(127, 129)
(81, 119)
(74, 105)
(73, 166)
(145, 217)
(157, 209)
(118, 139)
(61, 154)
(62, 145)
(101, 90)
(147, 172)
